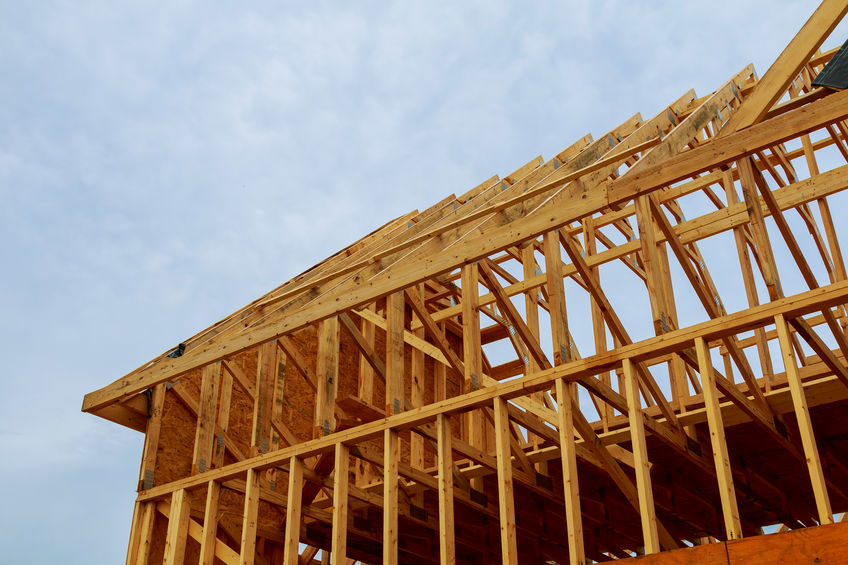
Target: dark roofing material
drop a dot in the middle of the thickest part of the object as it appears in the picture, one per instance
(835, 73)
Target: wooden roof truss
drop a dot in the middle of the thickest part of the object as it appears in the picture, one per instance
(501, 414)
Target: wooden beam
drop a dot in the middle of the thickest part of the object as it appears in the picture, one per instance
(391, 455)
(366, 364)
(724, 474)
(175, 539)
(447, 545)
(710, 303)
(156, 403)
(557, 211)
(301, 364)
(266, 378)
(472, 354)
(435, 333)
(395, 377)
(647, 511)
(195, 531)
(556, 298)
(207, 411)
(145, 534)
(250, 518)
(327, 375)
(805, 425)
(222, 419)
(571, 491)
(341, 483)
(293, 511)
(651, 348)
(506, 501)
(511, 313)
(135, 530)
(371, 360)
(617, 326)
(210, 524)
(786, 67)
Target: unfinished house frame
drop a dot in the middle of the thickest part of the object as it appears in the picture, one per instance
(636, 346)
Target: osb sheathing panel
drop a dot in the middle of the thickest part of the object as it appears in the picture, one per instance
(296, 410)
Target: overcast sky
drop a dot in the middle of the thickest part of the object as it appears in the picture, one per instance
(163, 164)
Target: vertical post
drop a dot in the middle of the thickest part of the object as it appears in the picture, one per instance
(509, 546)
(293, 511)
(175, 539)
(599, 331)
(341, 481)
(145, 534)
(366, 372)
(151, 437)
(805, 425)
(394, 353)
(416, 448)
(250, 518)
(647, 511)
(447, 548)
(210, 524)
(653, 267)
(205, 432)
(266, 377)
(573, 515)
(440, 379)
(391, 454)
(472, 353)
(135, 530)
(328, 373)
(223, 419)
(730, 511)
(277, 406)
(556, 296)
(748, 279)
(768, 269)
(531, 298)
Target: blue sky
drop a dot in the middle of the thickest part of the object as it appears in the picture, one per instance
(163, 165)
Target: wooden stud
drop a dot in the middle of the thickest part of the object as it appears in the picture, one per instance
(447, 546)
(571, 491)
(805, 425)
(394, 353)
(366, 371)
(391, 455)
(328, 376)
(175, 540)
(156, 403)
(266, 378)
(417, 390)
(556, 299)
(222, 421)
(135, 530)
(205, 433)
(145, 534)
(341, 483)
(250, 518)
(293, 511)
(724, 474)
(647, 512)
(474, 426)
(650, 257)
(210, 524)
(509, 548)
